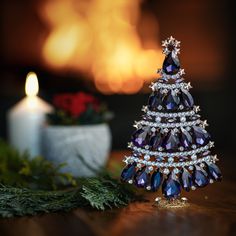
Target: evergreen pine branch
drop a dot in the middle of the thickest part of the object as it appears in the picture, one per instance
(20, 170)
(99, 193)
(106, 192)
(28, 187)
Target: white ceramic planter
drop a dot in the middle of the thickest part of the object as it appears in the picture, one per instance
(65, 143)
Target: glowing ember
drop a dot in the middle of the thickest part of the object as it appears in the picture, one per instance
(100, 38)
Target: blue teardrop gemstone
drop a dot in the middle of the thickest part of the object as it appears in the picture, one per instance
(171, 187)
(171, 64)
(171, 101)
(140, 137)
(186, 180)
(128, 172)
(154, 101)
(171, 142)
(141, 178)
(202, 137)
(214, 172)
(156, 180)
(155, 140)
(185, 138)
(187, 99)
(200, 177)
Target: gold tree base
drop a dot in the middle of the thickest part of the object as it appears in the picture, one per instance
(173, 203)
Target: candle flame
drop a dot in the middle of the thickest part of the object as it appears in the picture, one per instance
(31, 84)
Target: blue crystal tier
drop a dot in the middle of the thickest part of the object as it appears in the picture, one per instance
(171, 146)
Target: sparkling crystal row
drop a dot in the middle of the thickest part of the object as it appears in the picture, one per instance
(170, 147)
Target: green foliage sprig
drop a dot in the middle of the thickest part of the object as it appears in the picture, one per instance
(23, 180)
(98, 192)
(20, 170)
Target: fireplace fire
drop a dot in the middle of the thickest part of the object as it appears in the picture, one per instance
(110, 41)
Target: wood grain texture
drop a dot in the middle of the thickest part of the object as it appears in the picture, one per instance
(212, 211)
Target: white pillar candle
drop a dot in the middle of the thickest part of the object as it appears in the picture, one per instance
(27, 118)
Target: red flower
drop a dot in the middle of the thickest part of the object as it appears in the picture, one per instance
(75, 104)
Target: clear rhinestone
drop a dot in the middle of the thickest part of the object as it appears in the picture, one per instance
(166, 171)
(202, 165)
(215, 158)
(181, 107)
(164, 91)
(183, 119)
(211, 144)
(175, 130)
(139, 165)
(131, 160)
(146, 147)
(174, 164)
(158, 119)
(130, 181)
(159, 107)
(193, 188)
(144, 108)
(181, 148)
(194, 157)
(170, 159)
(190, 167)
(148, 188)
(158, 199)
(153, 129)
(176, 171)
(188, 128)
(150, 168)
(184, 199)
(146, 157)
(211, 181)
(166, 130)
(160, 149)
(130, 145)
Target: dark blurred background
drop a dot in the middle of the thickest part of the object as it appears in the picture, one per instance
(112, 48)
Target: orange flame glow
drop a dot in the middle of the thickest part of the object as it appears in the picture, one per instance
(100, 37)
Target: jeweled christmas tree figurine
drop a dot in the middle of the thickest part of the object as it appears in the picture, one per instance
(171, 148)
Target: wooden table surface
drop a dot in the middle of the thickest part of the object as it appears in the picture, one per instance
(212, 211)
